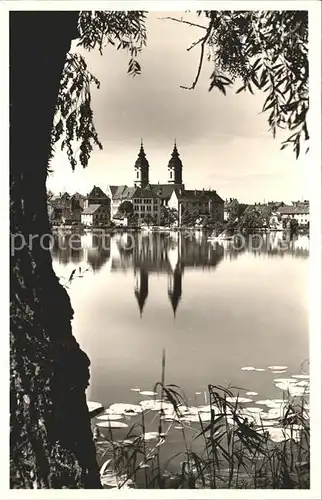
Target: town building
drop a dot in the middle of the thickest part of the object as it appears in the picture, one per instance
(97, 197)
(145, 202)
(300, 211)
(96, 215)
(97, 209)
(202, 203)
(65, 208)
(148, 198)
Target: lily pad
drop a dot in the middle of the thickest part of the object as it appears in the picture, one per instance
(155, 405)
(204, 417)
(148, 393)
(109, 417)
(254, 410)
(234, 399)
(285, 380)
(302, 375)
(149, 436)
(111, 424)
(248, 368)
(278, 434)
(251, 393)
(277, 367)
(125, 408)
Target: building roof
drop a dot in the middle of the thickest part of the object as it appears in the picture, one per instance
(116, 190)
(144, 193)
(175, 162)
(292, 209)
(165, 190)
(97, 193)
(79, 196)
(199, 194)
(122, 192)
(141, 162)
(91, 209)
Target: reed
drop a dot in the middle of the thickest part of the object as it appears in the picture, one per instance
(239, 449)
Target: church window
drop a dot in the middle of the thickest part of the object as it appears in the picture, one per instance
(171, 174)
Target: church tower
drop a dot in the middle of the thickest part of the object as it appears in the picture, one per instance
(141, 169)
(175, 167)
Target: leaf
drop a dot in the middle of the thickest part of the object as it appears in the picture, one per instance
(71, 275)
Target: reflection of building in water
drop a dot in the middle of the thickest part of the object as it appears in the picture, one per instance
(145, 254)
(157, 253)
(98, 250)
(175, 287)
(67, 248)
(92, 249)
(141, 290)
(269, 245)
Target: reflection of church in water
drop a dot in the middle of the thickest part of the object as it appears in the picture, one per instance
(146, 254)
(158, 254)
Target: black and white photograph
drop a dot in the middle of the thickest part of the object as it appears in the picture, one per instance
(164, 196)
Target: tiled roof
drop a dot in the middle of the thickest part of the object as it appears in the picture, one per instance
(116, 190)
(78, 195)
(291, 209)
(164, 190)
(97, 193)
(144, 193)
(121, 192)
(199, 194)
(91, 209)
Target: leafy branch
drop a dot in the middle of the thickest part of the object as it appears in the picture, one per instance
(73, 121)
(267, 51)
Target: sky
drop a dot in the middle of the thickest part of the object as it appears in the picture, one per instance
(223, 141)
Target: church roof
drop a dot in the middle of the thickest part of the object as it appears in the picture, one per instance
(144, 193)
(175, 160)
(141, 161)
(164, 190)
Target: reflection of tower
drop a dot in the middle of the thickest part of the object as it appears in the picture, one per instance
(141, 168)
(175, 287)
(175, 167)
(141, 290)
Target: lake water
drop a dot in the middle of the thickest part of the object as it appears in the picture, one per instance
(212, 307)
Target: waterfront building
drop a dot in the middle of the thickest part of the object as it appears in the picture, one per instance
(300, 211)
(96, 215)
(148, 198)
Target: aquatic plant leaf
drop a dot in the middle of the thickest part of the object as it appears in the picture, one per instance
(111, 424)
(248, 368)
(254, 409)
(125, 408)
(148, 393)
(149, 436)
(235, 399)
(251, 393)
(109, 417)
(277, 367)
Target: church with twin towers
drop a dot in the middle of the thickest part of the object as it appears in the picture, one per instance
(148, 198)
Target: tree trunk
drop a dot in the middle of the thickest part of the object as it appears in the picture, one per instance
(50, 436)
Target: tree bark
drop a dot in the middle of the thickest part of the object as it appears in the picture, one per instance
(50, 435)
